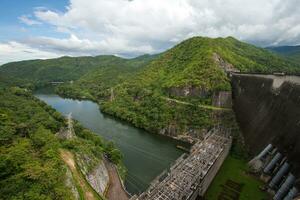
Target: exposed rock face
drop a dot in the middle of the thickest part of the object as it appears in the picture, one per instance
(268, 114)
(222, 99)
(94, 171)
(189, 134)
(171, 130)
(226, 66)
(98, 178)
(188, 91)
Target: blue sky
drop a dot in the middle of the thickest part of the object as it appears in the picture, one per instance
(32, 29)
(11, 27)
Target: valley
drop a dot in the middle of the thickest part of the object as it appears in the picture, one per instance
(140, 114)
(144, 155)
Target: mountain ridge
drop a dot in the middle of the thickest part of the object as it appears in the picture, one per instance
(136, 90)
(188, 72)
(40, 72)
(290, 52)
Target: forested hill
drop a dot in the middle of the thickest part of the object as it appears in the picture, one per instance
(170, 92)
(201, 62)
(174, 93)
(38, 72)
(31, 166)
(290, 52)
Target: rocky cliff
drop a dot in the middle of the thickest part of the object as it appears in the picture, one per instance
(94, 171)
(268, 111)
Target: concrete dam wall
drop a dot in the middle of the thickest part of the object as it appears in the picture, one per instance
(267, 108)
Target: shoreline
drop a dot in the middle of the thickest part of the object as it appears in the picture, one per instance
(187, 141)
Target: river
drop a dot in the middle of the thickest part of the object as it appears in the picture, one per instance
(145, 155)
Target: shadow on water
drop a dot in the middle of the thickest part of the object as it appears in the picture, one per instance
(145, 155)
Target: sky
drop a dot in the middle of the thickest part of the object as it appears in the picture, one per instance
(40, 29)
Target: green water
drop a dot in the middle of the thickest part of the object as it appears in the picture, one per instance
(145, 155)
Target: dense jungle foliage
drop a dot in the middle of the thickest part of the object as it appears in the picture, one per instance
(30, 163)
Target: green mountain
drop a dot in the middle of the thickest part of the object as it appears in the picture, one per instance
(40, 72)
(174, 94)
(31, 166)
(179, 93)
(96, 83)
(290, 52)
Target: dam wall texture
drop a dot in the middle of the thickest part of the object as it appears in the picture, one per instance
(267, 109)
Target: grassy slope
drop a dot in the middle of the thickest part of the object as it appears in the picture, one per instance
(30, 163)
(235, 169)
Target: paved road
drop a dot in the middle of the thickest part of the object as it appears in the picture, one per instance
(199, 105)
(115, 190)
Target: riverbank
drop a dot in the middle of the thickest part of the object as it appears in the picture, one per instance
(132, 180)
(78, 96)
(144, 155)
(52, 167)
(188, 140)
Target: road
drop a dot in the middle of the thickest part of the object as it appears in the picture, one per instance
(199, 105)
(115, 190)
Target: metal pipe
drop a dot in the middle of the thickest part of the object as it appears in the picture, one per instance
(285, 187)
(278, 176)
(264, 152)
(292, 193)
(272, 163)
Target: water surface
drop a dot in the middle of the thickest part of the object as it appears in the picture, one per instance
(145, 155)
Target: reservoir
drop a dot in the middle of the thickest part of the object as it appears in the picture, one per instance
(145, 155)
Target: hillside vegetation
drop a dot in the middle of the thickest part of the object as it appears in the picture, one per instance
(192, 71)
(41, 72)
(171, 93)
(290, 52)
(97, 83)
(30, 163)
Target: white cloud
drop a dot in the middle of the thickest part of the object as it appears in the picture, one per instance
(147, 26)
(75, 46)
(26, 20)
(15, 51)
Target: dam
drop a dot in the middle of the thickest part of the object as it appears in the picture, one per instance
(267, 109)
